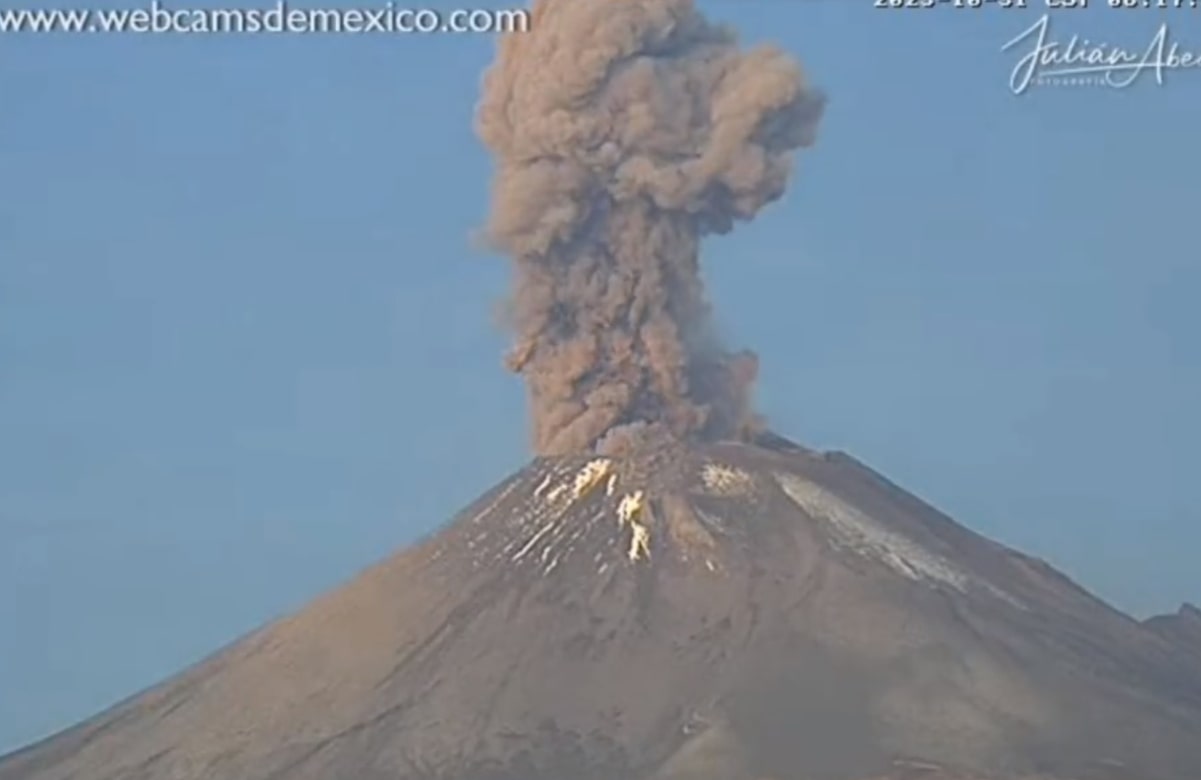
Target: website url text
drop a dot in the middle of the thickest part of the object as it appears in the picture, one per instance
(279, 18)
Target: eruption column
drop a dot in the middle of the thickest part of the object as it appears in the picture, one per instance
(623, 131)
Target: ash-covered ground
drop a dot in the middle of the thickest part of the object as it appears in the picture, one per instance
(727, 612)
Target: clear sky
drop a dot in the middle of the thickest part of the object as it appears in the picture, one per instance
(246, 346)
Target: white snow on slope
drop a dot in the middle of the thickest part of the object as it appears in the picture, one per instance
(854, 531)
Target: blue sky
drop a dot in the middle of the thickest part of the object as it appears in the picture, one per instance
(246, 345)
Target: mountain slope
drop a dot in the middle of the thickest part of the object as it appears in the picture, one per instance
(1182, 630)
(729, 611)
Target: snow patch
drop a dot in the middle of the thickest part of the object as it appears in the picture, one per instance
(587, 478)
(533, 540)
(628, 511)
(855, 531)
(629, 507)
(726, 480)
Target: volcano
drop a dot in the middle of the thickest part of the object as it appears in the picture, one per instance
(726, 611)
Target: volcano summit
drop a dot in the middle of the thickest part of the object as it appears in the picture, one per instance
(727, 612)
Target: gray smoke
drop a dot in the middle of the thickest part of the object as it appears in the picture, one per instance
(623, 131)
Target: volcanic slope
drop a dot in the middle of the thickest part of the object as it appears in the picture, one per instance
(718, 612)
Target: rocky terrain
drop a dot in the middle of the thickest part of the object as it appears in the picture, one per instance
(727, 611)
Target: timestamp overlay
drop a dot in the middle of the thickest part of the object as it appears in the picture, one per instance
(1085, 44)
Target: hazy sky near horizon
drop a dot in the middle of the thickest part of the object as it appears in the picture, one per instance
(247, 346)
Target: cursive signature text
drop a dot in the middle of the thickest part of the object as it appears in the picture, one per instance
(1106, 64)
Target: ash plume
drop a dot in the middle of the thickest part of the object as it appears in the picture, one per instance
(624, 131)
